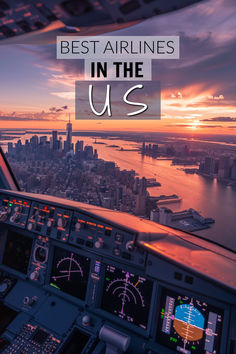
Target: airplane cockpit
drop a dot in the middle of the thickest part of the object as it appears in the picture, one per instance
(77, 278)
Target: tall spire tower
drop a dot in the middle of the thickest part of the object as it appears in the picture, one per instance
(69, 135)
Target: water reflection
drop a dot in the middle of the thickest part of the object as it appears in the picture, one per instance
(207, 196)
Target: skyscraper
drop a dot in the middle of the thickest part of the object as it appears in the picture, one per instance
(224, 167)
(43, 140)
(140, 208)
(209, 165)
(54, 139)
(233, 170)
(34, 140)
(69, 135)
(79, 146)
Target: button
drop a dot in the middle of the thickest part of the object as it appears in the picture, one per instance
(77, 226)
(80, 241)
(59, 234)
(116, 251)
(18, 208)
(48, 231)
(51, 213)
(89, 244)
(119, 237)
(126, 255)
(86, 320)
(49, 223)
(30, 226)
(98, 244)
(34, 275)
(107, 232)
(188, 279)
(38, 227)
(60, 222)
(130, 246)
(178, 276)
(29, 301)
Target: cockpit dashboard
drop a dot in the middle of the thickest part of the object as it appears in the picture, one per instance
(77, 278)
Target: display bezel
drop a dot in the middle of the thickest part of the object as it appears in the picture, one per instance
(4, 244)
(61, 293)
(225, 308)
(36, 246)
(112, 317)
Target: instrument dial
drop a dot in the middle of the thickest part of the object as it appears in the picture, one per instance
(127, 295)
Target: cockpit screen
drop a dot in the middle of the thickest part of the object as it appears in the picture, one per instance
(70, 272)
(17, 251)
(189, 325)
(127, 295)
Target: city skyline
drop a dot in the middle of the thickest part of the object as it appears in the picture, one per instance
(198, 91)
(56, 165)
(81, 168)
(74, 165)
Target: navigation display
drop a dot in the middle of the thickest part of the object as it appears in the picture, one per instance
(17, 251)
(127, 295)
(189, 325)
(70, 272)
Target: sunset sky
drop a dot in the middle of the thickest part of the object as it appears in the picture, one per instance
(198, 91)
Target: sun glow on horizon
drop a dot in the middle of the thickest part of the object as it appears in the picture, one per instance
(194, 125)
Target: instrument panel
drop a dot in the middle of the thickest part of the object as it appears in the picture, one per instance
(69, 226)
(48, 221)
(17, 251)
(127, 295)
(70, 272)
(14, 211)
(189, 325)
(73, 290)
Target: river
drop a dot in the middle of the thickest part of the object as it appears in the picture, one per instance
(210, 198)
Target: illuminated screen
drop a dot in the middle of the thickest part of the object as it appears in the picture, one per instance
(70, 272)
(127, 295)
(17, 251)
(189, 325)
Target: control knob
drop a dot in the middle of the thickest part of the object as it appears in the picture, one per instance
(40, 254)
(5, 285)
(34, 275)
(86, 320)
(29, 301)
(77, 227)
(99, 244)
(3, 214)
(35, 213)
(50, 223)
(61, 222)
(18, 208)
(15, 218)
(30, 226)
(130, 246)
